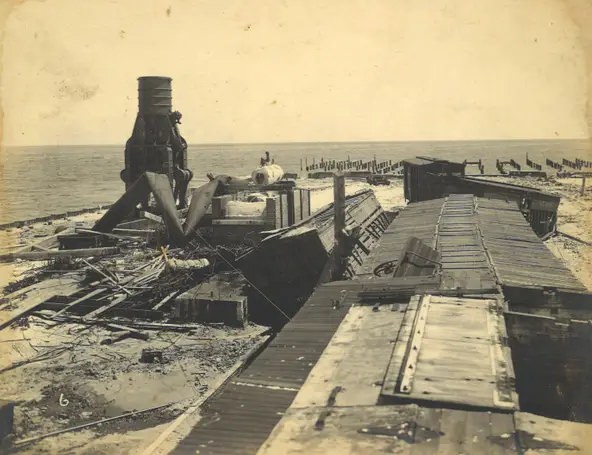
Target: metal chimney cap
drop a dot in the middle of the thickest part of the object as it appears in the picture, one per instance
(156, 77)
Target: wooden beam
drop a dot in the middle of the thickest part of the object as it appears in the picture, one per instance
(145, 325)
(108, 277)
(151, 217)
(165, 300)
(80, 300)
(141, 232)
(23, 442)
(105, 234)
(139, 333)
(239, 222)
(37, 296)
(339, 208)
(39, 248)
(50, 254)
(104, 308)
(51, 241)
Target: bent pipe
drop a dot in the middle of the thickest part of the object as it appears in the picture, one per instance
(159, 186)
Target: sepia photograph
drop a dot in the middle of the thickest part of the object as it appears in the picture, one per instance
(295, 227)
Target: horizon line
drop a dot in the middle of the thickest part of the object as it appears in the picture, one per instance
(543, 139)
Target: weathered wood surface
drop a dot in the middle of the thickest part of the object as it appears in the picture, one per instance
(537, 434)
(355, 359)
(36, 295)
(445, 352)
(401, 429)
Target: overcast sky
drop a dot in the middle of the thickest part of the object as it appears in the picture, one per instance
(263, 71)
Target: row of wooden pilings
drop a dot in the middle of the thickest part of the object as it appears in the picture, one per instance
(576, 165)
(478, 163)
(375, 166)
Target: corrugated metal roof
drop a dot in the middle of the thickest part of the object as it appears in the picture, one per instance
(464, 260)
(416, 220)
(480, 240)
(518, 256)
(237, 421)
(241, 416)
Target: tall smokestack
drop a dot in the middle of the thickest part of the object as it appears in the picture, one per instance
(156, 144)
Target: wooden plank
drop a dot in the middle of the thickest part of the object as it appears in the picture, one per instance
(160, 304)
(36, 287)
(400, 348)
(239, 222)
(118, 327)
(35, 297)
(431, 419)
(476, 258)
(151, 217)
(80, 300)
(135, 232)
(473, 280)
(447, 366)
(355, 359)
(51, 241)
(453, 425)
(409, 366)
(502, 426)
(45, 255)
(473, 334)
(478, 394)
(108, 277)
(476, 266)
(477, 432)
(119, 299)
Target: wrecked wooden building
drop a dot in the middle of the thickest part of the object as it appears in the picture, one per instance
(290, 262)
(457, 335)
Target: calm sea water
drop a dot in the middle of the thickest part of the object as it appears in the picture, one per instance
(42, 180)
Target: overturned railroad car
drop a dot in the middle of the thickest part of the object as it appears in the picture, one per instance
(431, 178)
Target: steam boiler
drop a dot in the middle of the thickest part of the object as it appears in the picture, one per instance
(156, 144)
(268, 172)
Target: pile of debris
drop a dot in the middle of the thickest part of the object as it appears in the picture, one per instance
(84, 332)
(138, 283)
